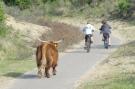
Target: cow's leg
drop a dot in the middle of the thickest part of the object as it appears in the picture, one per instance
(48, 66)
(54, 69)
(47, 71)
(41, 71)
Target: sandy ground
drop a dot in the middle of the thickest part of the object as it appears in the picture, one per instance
(5, 82)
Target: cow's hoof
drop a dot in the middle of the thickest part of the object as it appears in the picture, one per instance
(54, 73)
(40, 77)
(48, 76)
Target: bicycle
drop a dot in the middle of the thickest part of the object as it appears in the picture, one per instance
(106, 41)
(88, 43)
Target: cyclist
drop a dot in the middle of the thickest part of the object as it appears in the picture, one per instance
(106, 30)
(88, 31)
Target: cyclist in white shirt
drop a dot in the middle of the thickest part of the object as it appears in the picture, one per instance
(88, 31)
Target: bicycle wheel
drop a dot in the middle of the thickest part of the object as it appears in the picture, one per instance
(106, 43)
(88, 44)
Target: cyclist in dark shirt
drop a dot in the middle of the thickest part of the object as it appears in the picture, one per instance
(105, 30)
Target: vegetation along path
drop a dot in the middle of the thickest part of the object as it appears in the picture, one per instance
(73, 64)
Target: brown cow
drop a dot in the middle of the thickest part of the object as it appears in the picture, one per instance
(47, 57)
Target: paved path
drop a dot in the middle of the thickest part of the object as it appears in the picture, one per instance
(72, 65)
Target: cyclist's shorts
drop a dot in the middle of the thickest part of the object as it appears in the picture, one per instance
(105, 35)
(86, 36)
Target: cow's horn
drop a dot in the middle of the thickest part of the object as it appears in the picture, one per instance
(42, 40)
(59, 41)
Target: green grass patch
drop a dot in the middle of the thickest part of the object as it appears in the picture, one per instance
(120, 82)
(126, 50)
(3, 30)
(15, 54)
(14, 68)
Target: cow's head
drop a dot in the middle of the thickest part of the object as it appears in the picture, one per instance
(55, 43)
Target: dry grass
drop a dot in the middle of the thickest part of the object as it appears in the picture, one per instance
(123, 30)
(69, 33)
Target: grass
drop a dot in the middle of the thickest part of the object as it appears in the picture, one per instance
(14, 68)
(117, 73)
(3, 30)
(15, 56)
(118, 83)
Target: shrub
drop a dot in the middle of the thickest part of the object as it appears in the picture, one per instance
(23, 4)
(9, 2)
(71, 34)
(1, 13)
(123, 7)
(3, 30)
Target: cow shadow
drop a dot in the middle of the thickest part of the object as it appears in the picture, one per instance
(21, 75)
(12, 74)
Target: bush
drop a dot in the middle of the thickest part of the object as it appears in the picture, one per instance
(71, 34)
(1, 13)
(3, 30)
(123, 7)
(23, 4)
